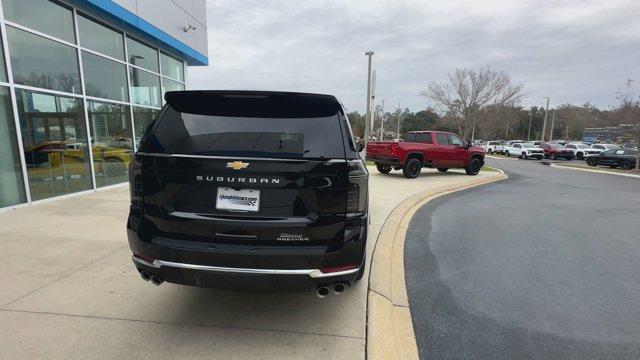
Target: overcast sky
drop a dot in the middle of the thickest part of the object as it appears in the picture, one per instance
(572, 51)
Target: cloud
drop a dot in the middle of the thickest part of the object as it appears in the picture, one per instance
(572, 51)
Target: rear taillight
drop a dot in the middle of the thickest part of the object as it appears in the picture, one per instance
(357, 187)
(135, 180)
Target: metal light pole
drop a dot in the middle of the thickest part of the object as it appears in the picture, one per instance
(529, 133)
(546, 114)
(367, 120)
(553, 122)
(382, 122)
(399, 118)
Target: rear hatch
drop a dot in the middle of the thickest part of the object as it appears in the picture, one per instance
(242, 169)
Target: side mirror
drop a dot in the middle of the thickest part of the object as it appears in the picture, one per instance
(359, 147)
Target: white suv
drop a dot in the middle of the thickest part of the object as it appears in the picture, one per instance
(604, 147)
(493, 147)
(580, 150)
(524, 151)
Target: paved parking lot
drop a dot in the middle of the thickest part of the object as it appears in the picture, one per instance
(543, 265)
(68, 290)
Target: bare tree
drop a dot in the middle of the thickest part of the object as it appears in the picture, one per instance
(470, 91)
(629, 111)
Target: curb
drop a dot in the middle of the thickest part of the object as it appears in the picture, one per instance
(595, 171)
(498, 157)
(389, 326)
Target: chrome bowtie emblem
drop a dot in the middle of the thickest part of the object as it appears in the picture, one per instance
(237, 165)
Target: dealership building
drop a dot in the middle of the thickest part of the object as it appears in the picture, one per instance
(80, 80)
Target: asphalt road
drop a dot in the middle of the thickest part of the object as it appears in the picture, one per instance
(544, 265)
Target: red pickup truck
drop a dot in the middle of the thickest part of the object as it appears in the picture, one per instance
(434, 149)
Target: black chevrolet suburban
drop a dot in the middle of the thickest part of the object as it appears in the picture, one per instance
(249, 190)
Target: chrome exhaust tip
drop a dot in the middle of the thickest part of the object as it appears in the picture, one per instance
(323, 291)
(339, 288)
(145, 275)
(156, 280)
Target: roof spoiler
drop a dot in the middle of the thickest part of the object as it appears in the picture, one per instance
(261, 104)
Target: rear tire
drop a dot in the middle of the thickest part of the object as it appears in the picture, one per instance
(474, 167)
(506, 153)
(591, 162)
(523, 156)
(442, 170)
(625, 165)
(412, 168)
(384, 169)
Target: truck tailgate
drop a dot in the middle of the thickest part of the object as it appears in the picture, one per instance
(385, 149)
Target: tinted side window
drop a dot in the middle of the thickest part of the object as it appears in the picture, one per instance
(410, 138)
(518, 146)
(424, 138)
(442, 139)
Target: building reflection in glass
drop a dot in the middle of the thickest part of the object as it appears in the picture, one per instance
(55, 143)
(112, 139)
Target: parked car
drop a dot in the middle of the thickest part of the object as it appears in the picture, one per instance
(524, 151)
(249, 190)
(493, 147)
(559, 142)
(433, 149)
(580, 150)
(603, 147)
(536, 142)
(511, 142)
(555, 151)
(624, 159)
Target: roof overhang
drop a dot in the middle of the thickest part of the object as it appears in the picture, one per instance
(136, 25)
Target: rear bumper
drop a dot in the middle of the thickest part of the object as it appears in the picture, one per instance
(252, 279)
(384, 160)
(249, 267)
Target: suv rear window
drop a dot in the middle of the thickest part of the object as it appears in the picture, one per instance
(288, 135)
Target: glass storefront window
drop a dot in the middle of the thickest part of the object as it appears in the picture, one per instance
(54, 136)
(142, 118)
(145, 87)
(142, 55)
(104, 78)
(100, 38)
(46, 16)
(44, 63)
(172, 67)
(3, 68)
(170, 85)
(11, 185)
(111, 136)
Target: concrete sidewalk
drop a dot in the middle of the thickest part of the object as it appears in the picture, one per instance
(68, 290)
